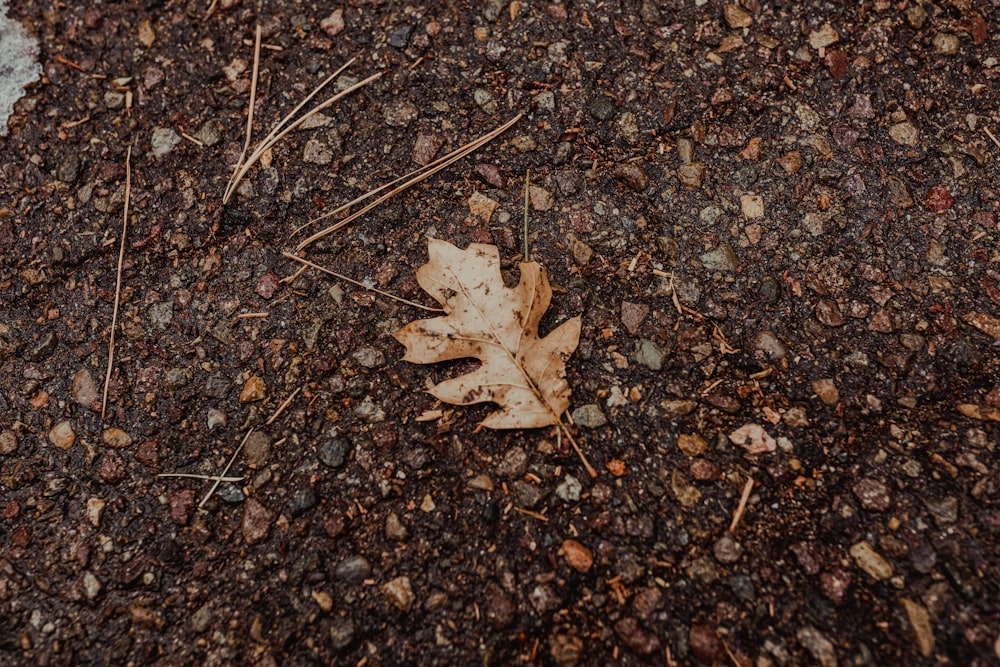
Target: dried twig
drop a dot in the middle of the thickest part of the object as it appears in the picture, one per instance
(203, 477)
(991, 136)
(284, 126)
(218, 480)
(579, 452)
(306, 262)
(118, 282)
(425, 173)
(527, 192)
(742, 507)
(284, 404)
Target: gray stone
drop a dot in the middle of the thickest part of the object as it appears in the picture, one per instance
(400, 113)
(163, 141)
(210, 133)
(353, 569)
(485, 100)
(369, 357)
(84, 389)
(334, 453)
(589, 416)
(341, 631)
(944, 510)
(514, 463)
(257, 449)
(649, 354)
(818, 645)
(727, 549)
(394, 528)
(569, 489)
(722, 258)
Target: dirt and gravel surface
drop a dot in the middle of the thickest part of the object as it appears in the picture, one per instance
(778, 221)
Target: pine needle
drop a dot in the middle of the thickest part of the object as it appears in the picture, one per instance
(118, 282)
(425, 173)
(285, 125)
(306, 262)
(218, 480)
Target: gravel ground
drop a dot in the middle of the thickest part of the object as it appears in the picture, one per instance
(778, 221)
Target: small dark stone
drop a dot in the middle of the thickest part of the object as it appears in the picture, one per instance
(706, 645)
(632, 175)
(353, 569)
(341, 632)
(217, 386)
(112, 467)
(45, 346)
(302, 499)
(400, 37)
(602, 108)
(635, 637)
(334, 452)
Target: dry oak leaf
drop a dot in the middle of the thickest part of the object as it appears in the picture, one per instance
(522, 372)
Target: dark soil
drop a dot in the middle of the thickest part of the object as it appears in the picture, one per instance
(779, 215)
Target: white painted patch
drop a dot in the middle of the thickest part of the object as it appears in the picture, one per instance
(18, 64)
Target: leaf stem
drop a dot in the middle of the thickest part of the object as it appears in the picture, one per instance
(527, 180)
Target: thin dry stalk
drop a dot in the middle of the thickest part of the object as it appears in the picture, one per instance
(283, 127)
(306, 262)
(991, 136)
(284, 404)
(427, 172)
(579, 452)
(742, 507)
(218, 480)
(118, 282)
(203, 477)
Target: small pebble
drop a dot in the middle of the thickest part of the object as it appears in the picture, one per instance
(691, 444)
(649, 354)
(871, 561)
(369, 357)
(163, 141)
(353, 569)
(752, 206)
(62, 435)
(569, 489)
(257, 449)
(255, 389)
(706, 644)
(116, 438)
(872, 494)
(334, 453)
(84, 390)
(818, 644)
(8, 442)
(632, 175)
(589, 416)
(577, 556)
(920, 621)
(904, 134)
(257, 521)
(722, 258)
(946, 44)
(636, 638)
(727, 549)
(341, 632)
(736, 17)
(399, 592)
(95, 511)
(303, 500)
(826, 391)
(692, 174)
(400, 113)
(633, 315)
(91, 585)
(394, 528)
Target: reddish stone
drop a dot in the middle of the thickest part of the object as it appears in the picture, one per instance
(939, 199)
